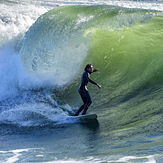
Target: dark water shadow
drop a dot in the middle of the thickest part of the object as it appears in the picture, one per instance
(90, 124)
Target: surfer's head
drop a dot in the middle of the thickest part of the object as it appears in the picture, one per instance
(89, 68)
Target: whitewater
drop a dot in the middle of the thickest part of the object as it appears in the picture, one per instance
(44, 47)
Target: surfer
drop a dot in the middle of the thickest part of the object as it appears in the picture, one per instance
(83, 91)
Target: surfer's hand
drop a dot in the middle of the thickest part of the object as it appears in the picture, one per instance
(96, 69)
(99, 86)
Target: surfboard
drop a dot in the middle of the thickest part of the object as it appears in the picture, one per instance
(87, 116)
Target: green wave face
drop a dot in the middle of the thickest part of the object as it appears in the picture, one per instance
(125, 44)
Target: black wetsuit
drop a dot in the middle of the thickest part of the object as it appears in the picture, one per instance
(84, 93)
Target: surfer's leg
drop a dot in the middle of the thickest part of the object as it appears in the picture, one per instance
(80, 109)
(87, 104)
(84, 98)
(85, 109)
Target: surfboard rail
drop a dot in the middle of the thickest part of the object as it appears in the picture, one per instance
(85, 117)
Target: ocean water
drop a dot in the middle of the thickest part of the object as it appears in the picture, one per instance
(44, 47)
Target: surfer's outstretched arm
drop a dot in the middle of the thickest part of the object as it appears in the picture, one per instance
(95, 70)
(91, 81)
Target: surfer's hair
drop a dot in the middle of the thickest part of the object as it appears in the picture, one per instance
(88, 66)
